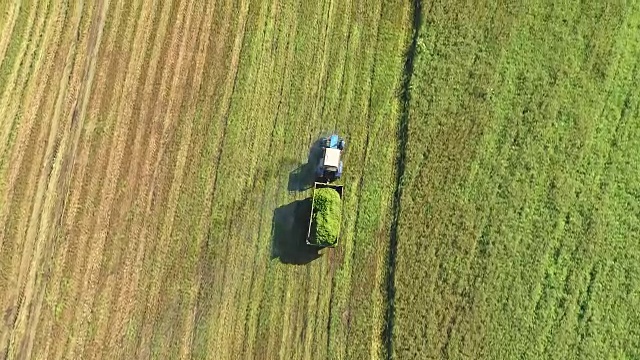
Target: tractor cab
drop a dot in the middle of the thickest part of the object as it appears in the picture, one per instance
(330, 165)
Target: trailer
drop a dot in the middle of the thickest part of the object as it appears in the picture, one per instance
(310, 234)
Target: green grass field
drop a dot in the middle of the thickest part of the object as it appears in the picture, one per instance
(154, 180)
(520, 218)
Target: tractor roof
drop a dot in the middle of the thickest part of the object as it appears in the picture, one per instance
(331, 157)
(333, 141)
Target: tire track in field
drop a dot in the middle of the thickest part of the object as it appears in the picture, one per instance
(10, 242)
(293, 316)
(86, 154)
(76, 237)
(232, 51)
(146, 137)
(54, 204)
(284, 318)
(120, 78)
(370, 78)
(334, 303)
(403, 131)
(323, 74)
(268, 75)
(368, 338)
(336, 339)
(149, 190)
(292, 326)
(189, 326)
(94, 151)
(257, 285)
(346, 28)
(144, 131)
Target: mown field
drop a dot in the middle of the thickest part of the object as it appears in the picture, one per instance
(154, 177)
(519, 214)
(150, 168)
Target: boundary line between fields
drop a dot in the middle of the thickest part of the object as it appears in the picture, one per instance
(403, 130)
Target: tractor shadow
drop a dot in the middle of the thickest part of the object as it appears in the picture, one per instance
(302, 178)
(290, 225)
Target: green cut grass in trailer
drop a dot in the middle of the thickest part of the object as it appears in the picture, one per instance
(326, 216)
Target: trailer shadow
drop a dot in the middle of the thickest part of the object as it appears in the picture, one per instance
(302, 178)
(289, 232)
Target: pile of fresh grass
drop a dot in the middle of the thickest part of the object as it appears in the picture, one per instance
(326, 216)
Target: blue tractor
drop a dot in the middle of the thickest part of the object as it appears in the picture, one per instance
(330, 165)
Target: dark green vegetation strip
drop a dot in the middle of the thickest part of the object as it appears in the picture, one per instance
(519, 221)
(403, 128)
